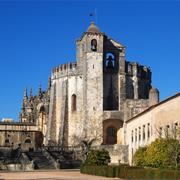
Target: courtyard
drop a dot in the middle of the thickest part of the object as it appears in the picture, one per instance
(50, 175)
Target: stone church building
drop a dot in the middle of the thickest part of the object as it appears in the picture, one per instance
(99, 98)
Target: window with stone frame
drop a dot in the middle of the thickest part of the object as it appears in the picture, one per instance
(148, 131)
(175, 129)
(135, 135)
(167, 131)
(110, 61)
(144, 134)
(73, 102)
(94, 45)
(139, 133)
(132, 136)
(160, 132)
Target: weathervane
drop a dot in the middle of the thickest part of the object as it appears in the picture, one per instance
(93, 16)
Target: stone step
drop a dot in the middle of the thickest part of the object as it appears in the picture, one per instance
(40, 160)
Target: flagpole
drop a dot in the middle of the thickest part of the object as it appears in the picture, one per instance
(95, 16)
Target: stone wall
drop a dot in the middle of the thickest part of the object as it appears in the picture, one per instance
(118, 153)
(14, 134)
(134, 107)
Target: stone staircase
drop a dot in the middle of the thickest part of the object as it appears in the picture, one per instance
(41, 160)
(65, 160)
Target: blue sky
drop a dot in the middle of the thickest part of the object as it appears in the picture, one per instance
(35, 36)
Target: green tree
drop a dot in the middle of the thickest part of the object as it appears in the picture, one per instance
(97, 157)
(139, 157)
(162, 153)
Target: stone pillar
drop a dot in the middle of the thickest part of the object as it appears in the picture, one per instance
(135, 84)
(153, 96)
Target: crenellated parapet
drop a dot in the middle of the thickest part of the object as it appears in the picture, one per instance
(135, 69)
(138, 81)
(64, 69)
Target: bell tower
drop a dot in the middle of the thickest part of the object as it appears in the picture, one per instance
(90, 63)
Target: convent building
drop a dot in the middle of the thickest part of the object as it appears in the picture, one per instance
(101, 98)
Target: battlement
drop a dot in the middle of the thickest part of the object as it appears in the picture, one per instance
(64, 68)
(133, 68)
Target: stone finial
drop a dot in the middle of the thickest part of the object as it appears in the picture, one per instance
(31, 94)
(25, 94)
(40, 90)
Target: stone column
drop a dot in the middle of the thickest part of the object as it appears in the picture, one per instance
(135, 85)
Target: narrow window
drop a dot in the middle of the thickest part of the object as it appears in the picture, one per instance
(139, 133)
(175, 130)
(160, 132)
(167, 131)
(94, 45)
(148, 130)
(132, 138)
(144, 132)
(73, 102)
(135, 135)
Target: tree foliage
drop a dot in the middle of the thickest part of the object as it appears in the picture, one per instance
(162, 153)
(140, 156)
(97, 157)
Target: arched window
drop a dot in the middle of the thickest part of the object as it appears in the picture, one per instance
(110, 61)
(144, 135)
(28, 141)
(111, 135)
(139, 133)
(160, 132)
(73, 102)
(148, 131)
(132, 137)
(42, 118)
(94, 45)
(7, 141)
(42, 109)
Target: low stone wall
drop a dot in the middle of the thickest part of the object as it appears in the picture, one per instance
(23, 163)
(17, 167)
(118, 153)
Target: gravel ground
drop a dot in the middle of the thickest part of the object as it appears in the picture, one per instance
(50, 175)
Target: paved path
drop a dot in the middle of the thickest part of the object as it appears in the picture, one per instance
(50, 175)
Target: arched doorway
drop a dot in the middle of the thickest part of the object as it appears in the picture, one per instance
(111, 135)
(110, 129)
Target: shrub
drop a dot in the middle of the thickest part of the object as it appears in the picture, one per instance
(139, 157)
(97, 157)
(162, 153)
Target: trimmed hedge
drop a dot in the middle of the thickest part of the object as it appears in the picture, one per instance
(125, 171)
(98, 158)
